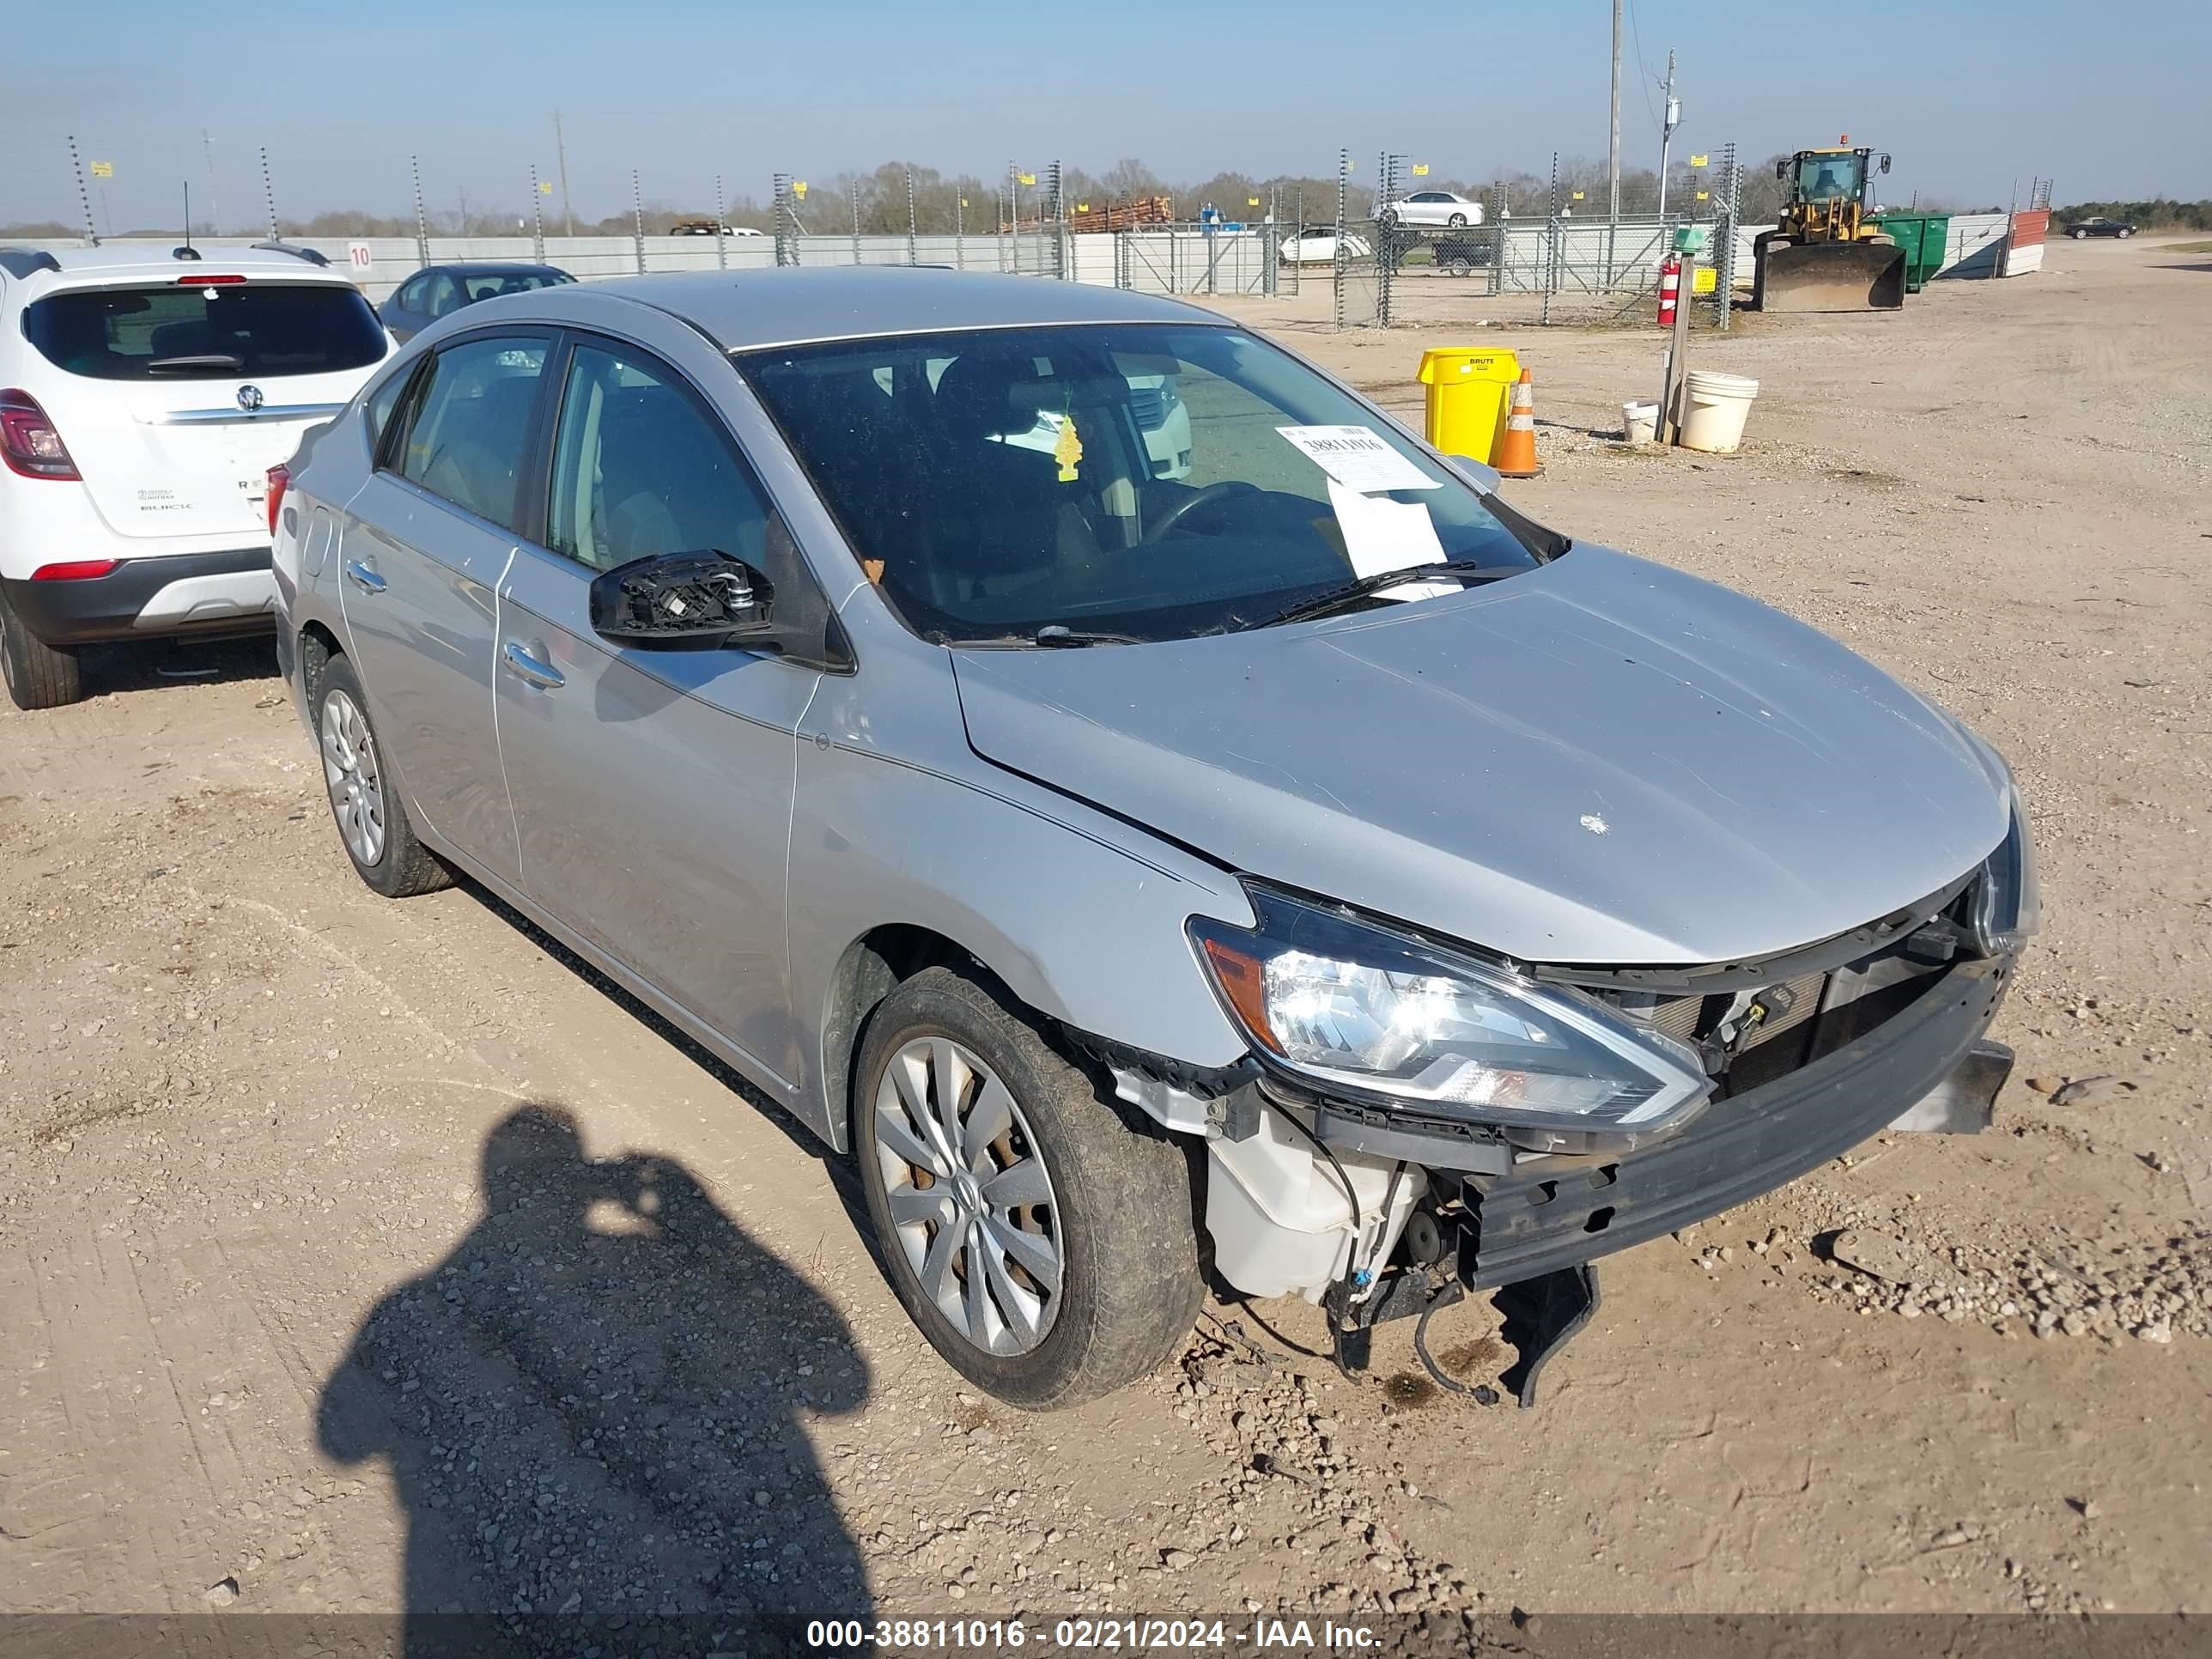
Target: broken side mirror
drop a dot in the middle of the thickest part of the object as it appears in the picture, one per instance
(674, 600)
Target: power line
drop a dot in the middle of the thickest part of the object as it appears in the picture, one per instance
(1649, 79)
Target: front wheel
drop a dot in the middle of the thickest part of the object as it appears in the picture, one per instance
(1042, 1240)
(2080, 236)
(38, 675)
(2124, 234)
(1458, 221)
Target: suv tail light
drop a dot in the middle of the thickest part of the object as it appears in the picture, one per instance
(28, 442)
(74, 570)
(280, 480)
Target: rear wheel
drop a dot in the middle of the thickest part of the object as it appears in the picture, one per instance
(1043, 1242)
(372, 823)
(1458, 221)
(2080, 236)
(38, 675)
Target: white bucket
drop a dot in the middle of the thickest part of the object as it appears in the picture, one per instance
(1639, 423)
(1714, 407)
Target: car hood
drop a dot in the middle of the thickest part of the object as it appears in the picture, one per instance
(1602, 761)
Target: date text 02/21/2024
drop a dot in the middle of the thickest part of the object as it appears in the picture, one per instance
(1087, 1634)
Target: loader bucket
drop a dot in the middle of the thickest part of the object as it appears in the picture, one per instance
(1829, 276)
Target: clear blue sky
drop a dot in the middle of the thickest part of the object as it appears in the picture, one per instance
(1969, 95)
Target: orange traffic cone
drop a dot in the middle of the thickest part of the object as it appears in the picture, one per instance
(1516, 449)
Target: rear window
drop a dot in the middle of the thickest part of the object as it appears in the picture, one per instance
(175, 332)
(490, 284)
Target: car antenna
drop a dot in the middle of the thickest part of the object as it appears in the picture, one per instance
(187, 251)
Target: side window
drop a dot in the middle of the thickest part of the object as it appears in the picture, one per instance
(468, 424)
(640, 469)
(380, 402)
(442, 297)
(410, 297)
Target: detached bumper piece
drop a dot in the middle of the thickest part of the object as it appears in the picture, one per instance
(1549, 1213)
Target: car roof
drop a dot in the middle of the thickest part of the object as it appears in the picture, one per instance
(492, 267)
(115, 262)
(744, 310)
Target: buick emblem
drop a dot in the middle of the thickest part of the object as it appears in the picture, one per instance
(249, 398)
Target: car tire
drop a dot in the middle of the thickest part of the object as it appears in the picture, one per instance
(38, 675)
(372, 823)
(2123, 234)
(1105, 1282)
(2080, 236)
(1386, 219)
(1458, 221)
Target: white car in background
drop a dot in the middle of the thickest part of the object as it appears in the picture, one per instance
(1433, 207)
(146, 398)
(1317, 246)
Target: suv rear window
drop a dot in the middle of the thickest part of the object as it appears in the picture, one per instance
(191, 333)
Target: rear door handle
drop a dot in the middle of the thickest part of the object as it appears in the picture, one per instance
(523, 665)
(362, 574)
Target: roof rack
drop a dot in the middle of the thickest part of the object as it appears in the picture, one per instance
(306, 253)
(27, 261)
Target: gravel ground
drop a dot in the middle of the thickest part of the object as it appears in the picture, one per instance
(356, 1255)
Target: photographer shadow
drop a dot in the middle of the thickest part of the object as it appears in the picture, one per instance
(593, 1410)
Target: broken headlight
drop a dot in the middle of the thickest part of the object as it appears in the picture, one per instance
(1356, 1008)
(2008, 908)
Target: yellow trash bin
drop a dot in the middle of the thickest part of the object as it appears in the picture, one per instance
(1468, 387)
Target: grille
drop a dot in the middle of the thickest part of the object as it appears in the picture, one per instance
(1149, 404)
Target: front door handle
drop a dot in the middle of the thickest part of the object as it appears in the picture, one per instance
(363, 576)
(523, 665)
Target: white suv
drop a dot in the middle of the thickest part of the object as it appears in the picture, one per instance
(145, 396)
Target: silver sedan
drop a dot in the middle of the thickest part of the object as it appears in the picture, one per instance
(1296, 847)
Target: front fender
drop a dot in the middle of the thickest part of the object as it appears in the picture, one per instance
(1081, 917)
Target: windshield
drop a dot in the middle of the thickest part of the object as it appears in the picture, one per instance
(183, 333)
(1151, 481)
(1825, 177)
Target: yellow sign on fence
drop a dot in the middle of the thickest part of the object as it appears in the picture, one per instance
(1420, 169)
(1029, 178)
(103, 169)
(798, 188)
(1579, 196)
(1697, 160)
(1251, 201)
(544, 186)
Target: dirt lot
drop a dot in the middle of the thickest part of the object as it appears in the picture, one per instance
(325, 1289)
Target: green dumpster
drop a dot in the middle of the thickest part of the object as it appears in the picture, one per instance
(1923, 237)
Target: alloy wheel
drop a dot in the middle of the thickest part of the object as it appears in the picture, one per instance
(356, 786)
(971, 1201)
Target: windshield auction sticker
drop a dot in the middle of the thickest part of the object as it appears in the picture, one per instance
(1358, 458)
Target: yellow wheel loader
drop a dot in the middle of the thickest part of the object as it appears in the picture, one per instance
(1826, 255)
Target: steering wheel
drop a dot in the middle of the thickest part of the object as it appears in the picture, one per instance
(1207, 497)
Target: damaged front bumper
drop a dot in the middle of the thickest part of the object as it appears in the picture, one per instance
(1544, 1214)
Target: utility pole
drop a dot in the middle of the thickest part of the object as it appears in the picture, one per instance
(1671, 120)
(214, 206)
(561, 160)
(1613, 154)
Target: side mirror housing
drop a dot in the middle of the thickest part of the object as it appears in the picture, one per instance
(678, 599)
(1885, 164)
(1485, 476)
(1782, 169)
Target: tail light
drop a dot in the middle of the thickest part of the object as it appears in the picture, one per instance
(74, 570)
(280, 480)
(28, 442)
